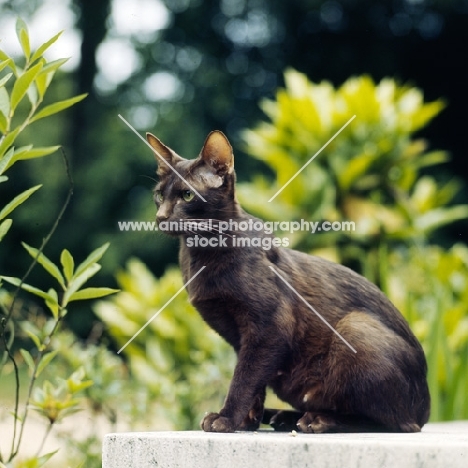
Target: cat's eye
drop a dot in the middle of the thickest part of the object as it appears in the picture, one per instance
(158, 196)
(188, 195)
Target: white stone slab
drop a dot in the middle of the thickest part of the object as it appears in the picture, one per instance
(438, 445)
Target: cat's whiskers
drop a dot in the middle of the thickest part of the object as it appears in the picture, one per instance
(229, 232)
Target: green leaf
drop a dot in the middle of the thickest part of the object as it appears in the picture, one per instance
(39, 152)
(5, 63)
(5, 79)
(92, 293)
(43, 81)
(25, 45)
(3, 123)
(4, 227)
(431, 159)
(21, 198)
(48, 265)
(52, 67)
(34, 338)
(28, 359)
(28, 152)
(354, 169)
(6, 159)
(40, 51)
(57, 107)
(45, 361)
(441, 216)
(93, 257)
(32, 95)
(53, 305)
(22, 84)
(3, 178)
(22, 149)
(27, 287)
(42, 460)
(23, 37)
(79, 280)
(6, 58)
(8, 139)
(47, 73)
(68, 264)
(4, 102)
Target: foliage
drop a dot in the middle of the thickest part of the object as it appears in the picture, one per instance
(30, 83)
(372, 174)
(114, 400)
(430, 286)
(54, 400)
(181, 360)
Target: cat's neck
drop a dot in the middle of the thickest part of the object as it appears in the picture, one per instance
(232, 210)
(224, 246)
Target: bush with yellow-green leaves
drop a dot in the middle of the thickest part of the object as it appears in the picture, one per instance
(369, 173)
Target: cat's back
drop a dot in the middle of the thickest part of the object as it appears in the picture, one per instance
(335, 290)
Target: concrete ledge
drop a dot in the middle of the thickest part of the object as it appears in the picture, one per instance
(439, 445)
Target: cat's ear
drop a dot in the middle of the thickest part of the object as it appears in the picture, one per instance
(169, 156)
(217, 153)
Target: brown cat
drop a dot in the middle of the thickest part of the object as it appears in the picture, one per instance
(244, 293)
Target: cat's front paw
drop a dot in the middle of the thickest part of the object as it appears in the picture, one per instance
(213, 422)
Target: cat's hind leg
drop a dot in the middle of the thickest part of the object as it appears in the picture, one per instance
(319, 422)
(322, 422)
(381, 387)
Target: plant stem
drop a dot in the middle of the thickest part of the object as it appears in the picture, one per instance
(30, 390)
(14, 451)
(46, 434)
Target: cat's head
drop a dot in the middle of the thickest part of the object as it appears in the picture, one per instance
(197, 189)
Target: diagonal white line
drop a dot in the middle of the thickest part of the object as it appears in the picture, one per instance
(312, 309)
(159, 156)
(312, 158)
(161, 309)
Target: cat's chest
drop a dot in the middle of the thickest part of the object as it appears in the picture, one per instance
(232, 290)
(220, 285)
(222, 303)
(222, 275)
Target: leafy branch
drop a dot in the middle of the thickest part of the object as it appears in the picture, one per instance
(54, 400)
(70, 281)
(33, 81)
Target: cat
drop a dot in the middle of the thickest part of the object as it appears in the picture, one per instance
(359, 369)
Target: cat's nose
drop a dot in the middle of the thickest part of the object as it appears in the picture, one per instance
(161, 217)
(162, 214)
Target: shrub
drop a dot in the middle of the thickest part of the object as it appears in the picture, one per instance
(370, 173)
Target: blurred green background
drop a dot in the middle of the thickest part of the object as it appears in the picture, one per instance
(279, 78)
(182, 68)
